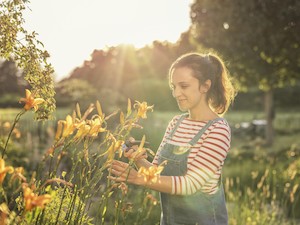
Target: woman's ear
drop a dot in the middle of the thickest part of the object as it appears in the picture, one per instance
(204, 88)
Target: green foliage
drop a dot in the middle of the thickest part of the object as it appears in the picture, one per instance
(11, 81)
(9, 100)
(261, 48)
(21, 46)
(70, 92)
(65, 207)
(154, 91)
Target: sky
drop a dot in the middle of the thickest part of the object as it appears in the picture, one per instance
(72, 29)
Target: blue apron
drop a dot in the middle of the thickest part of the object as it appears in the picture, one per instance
(196, 209)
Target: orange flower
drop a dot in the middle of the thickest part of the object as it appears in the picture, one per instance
(65, 127)
(96, 126)
(33, 200)
(4, 170)
(18, 174)
(4, 212)
(115, 146)
(6, 125)
(142, 109)
(30, 101)
(152, 199)
(124, 188)
(17, 133)
(83, 130)
(151, 174)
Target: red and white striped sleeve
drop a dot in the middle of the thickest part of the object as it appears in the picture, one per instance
(205, 162)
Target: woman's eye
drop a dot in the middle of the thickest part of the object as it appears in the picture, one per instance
(184, 86)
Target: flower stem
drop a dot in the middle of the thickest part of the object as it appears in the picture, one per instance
(17, 118)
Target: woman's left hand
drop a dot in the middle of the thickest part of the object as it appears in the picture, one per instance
(122, 172)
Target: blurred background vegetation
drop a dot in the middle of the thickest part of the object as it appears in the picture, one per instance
(258, 39)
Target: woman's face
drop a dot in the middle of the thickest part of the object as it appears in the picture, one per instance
(186, 89)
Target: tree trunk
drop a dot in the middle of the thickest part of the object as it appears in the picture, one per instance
(270, 116)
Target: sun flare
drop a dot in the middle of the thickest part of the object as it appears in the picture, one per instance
(80, 27)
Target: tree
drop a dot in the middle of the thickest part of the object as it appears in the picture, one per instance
(259, 38)
(10, 81)
(23, 48)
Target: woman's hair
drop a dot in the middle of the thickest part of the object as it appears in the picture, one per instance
(209, 67)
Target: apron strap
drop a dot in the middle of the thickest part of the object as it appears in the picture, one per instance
(177, 125)
(199, 134)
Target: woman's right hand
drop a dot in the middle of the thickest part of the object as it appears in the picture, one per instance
(134, 152)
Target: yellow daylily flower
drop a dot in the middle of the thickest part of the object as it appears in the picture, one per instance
(115, 146)
(18, 174)
(142, 109)
(4, 170)
(30, 101)
(58, 130)
(4, 213)
(96, 126)
(33, 200)
(69, 126)
(151, 174)
(83, 130)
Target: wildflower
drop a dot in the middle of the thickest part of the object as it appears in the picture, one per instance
(151, 198)
(83, 130)
(50, 151)
(30, 101)
(18, 174)
(151, 174)
(292, 194)
(6, 125)
(4, 212)
(99, 110)
(33, 200)
(115, 146)
(4, 170)
(127, 207)
(124, 188)
(142, 109)
(17, 133)
(58, 130)
(96, 126)
(69, 126)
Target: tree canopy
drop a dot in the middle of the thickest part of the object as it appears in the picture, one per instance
(259, 38)
(23, 47)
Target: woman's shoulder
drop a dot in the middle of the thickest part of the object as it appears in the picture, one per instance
(221, 124)
(178, 116)
(175, 119)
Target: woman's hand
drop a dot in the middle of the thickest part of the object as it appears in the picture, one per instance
(122, 172)
(134, 153)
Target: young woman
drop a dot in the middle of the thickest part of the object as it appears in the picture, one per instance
(194, 146)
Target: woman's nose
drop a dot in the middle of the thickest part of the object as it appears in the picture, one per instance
(175, 93)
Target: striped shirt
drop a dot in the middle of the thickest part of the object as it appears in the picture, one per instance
(206, 157)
